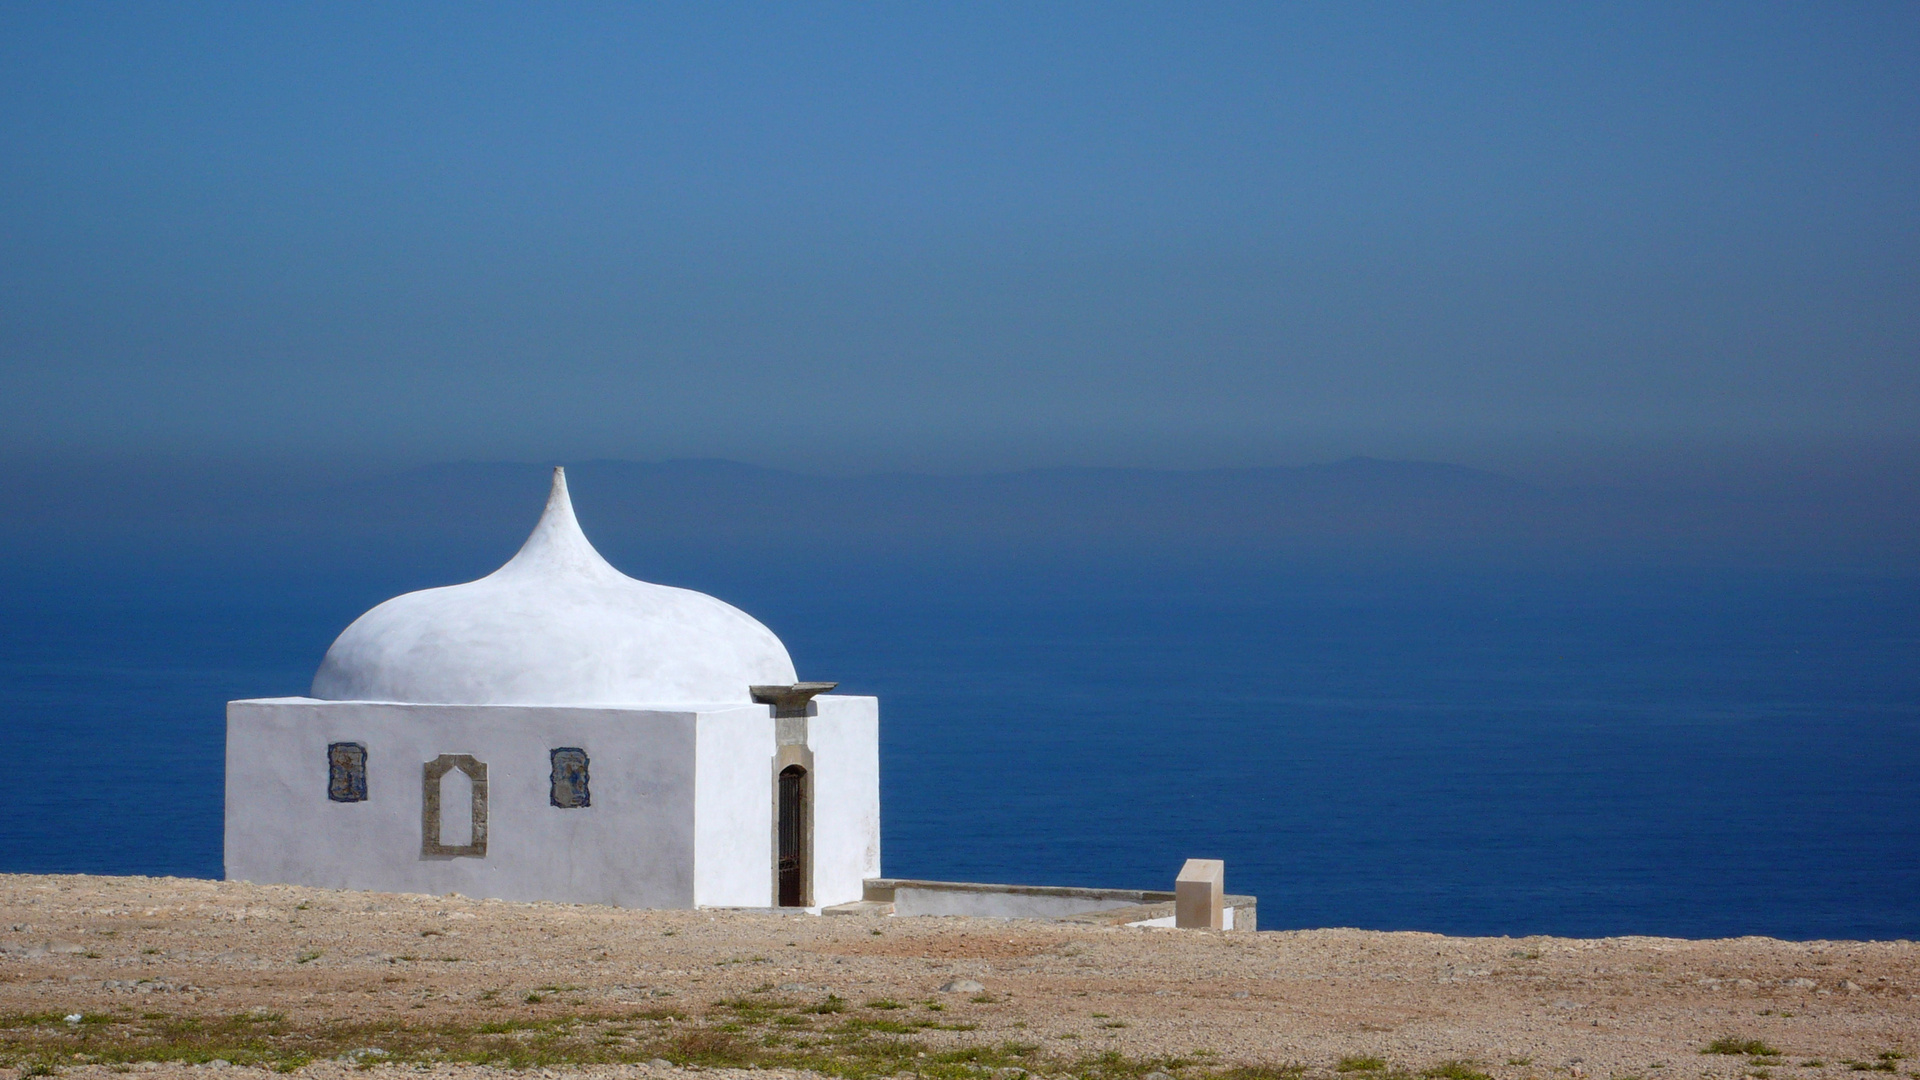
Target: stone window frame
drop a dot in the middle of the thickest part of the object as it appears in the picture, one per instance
(584, 791)
(431, 775)
(346, 777)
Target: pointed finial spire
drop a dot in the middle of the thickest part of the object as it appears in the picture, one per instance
(556, 544)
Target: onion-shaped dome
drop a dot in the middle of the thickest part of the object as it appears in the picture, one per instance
(557, 625)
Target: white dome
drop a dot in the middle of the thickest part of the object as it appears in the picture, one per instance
(557, 625)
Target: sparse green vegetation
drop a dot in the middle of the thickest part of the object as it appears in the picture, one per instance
(875, 1042)
(1727, 1044)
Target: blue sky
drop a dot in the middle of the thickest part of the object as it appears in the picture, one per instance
(854, 237)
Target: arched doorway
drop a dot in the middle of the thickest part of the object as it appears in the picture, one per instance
(793, 830)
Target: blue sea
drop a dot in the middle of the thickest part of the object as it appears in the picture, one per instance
(1470, 751)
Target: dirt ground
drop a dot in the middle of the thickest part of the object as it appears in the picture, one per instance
(85, 962)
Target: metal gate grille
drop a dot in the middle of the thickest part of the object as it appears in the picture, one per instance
(793, 836)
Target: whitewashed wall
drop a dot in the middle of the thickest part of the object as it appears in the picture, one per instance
(845, 740)
(682, 809)
(733, 809)
(633, 847)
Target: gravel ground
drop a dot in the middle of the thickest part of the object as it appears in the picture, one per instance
(1532, 1008)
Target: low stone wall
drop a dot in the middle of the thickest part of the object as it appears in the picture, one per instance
(1113, 907)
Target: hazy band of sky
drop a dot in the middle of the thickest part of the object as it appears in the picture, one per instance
(886, 236)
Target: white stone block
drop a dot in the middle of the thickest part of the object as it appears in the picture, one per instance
(1199, 895)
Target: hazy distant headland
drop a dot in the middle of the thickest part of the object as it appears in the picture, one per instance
(1354, 508)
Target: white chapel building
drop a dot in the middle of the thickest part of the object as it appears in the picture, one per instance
(559, 731)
